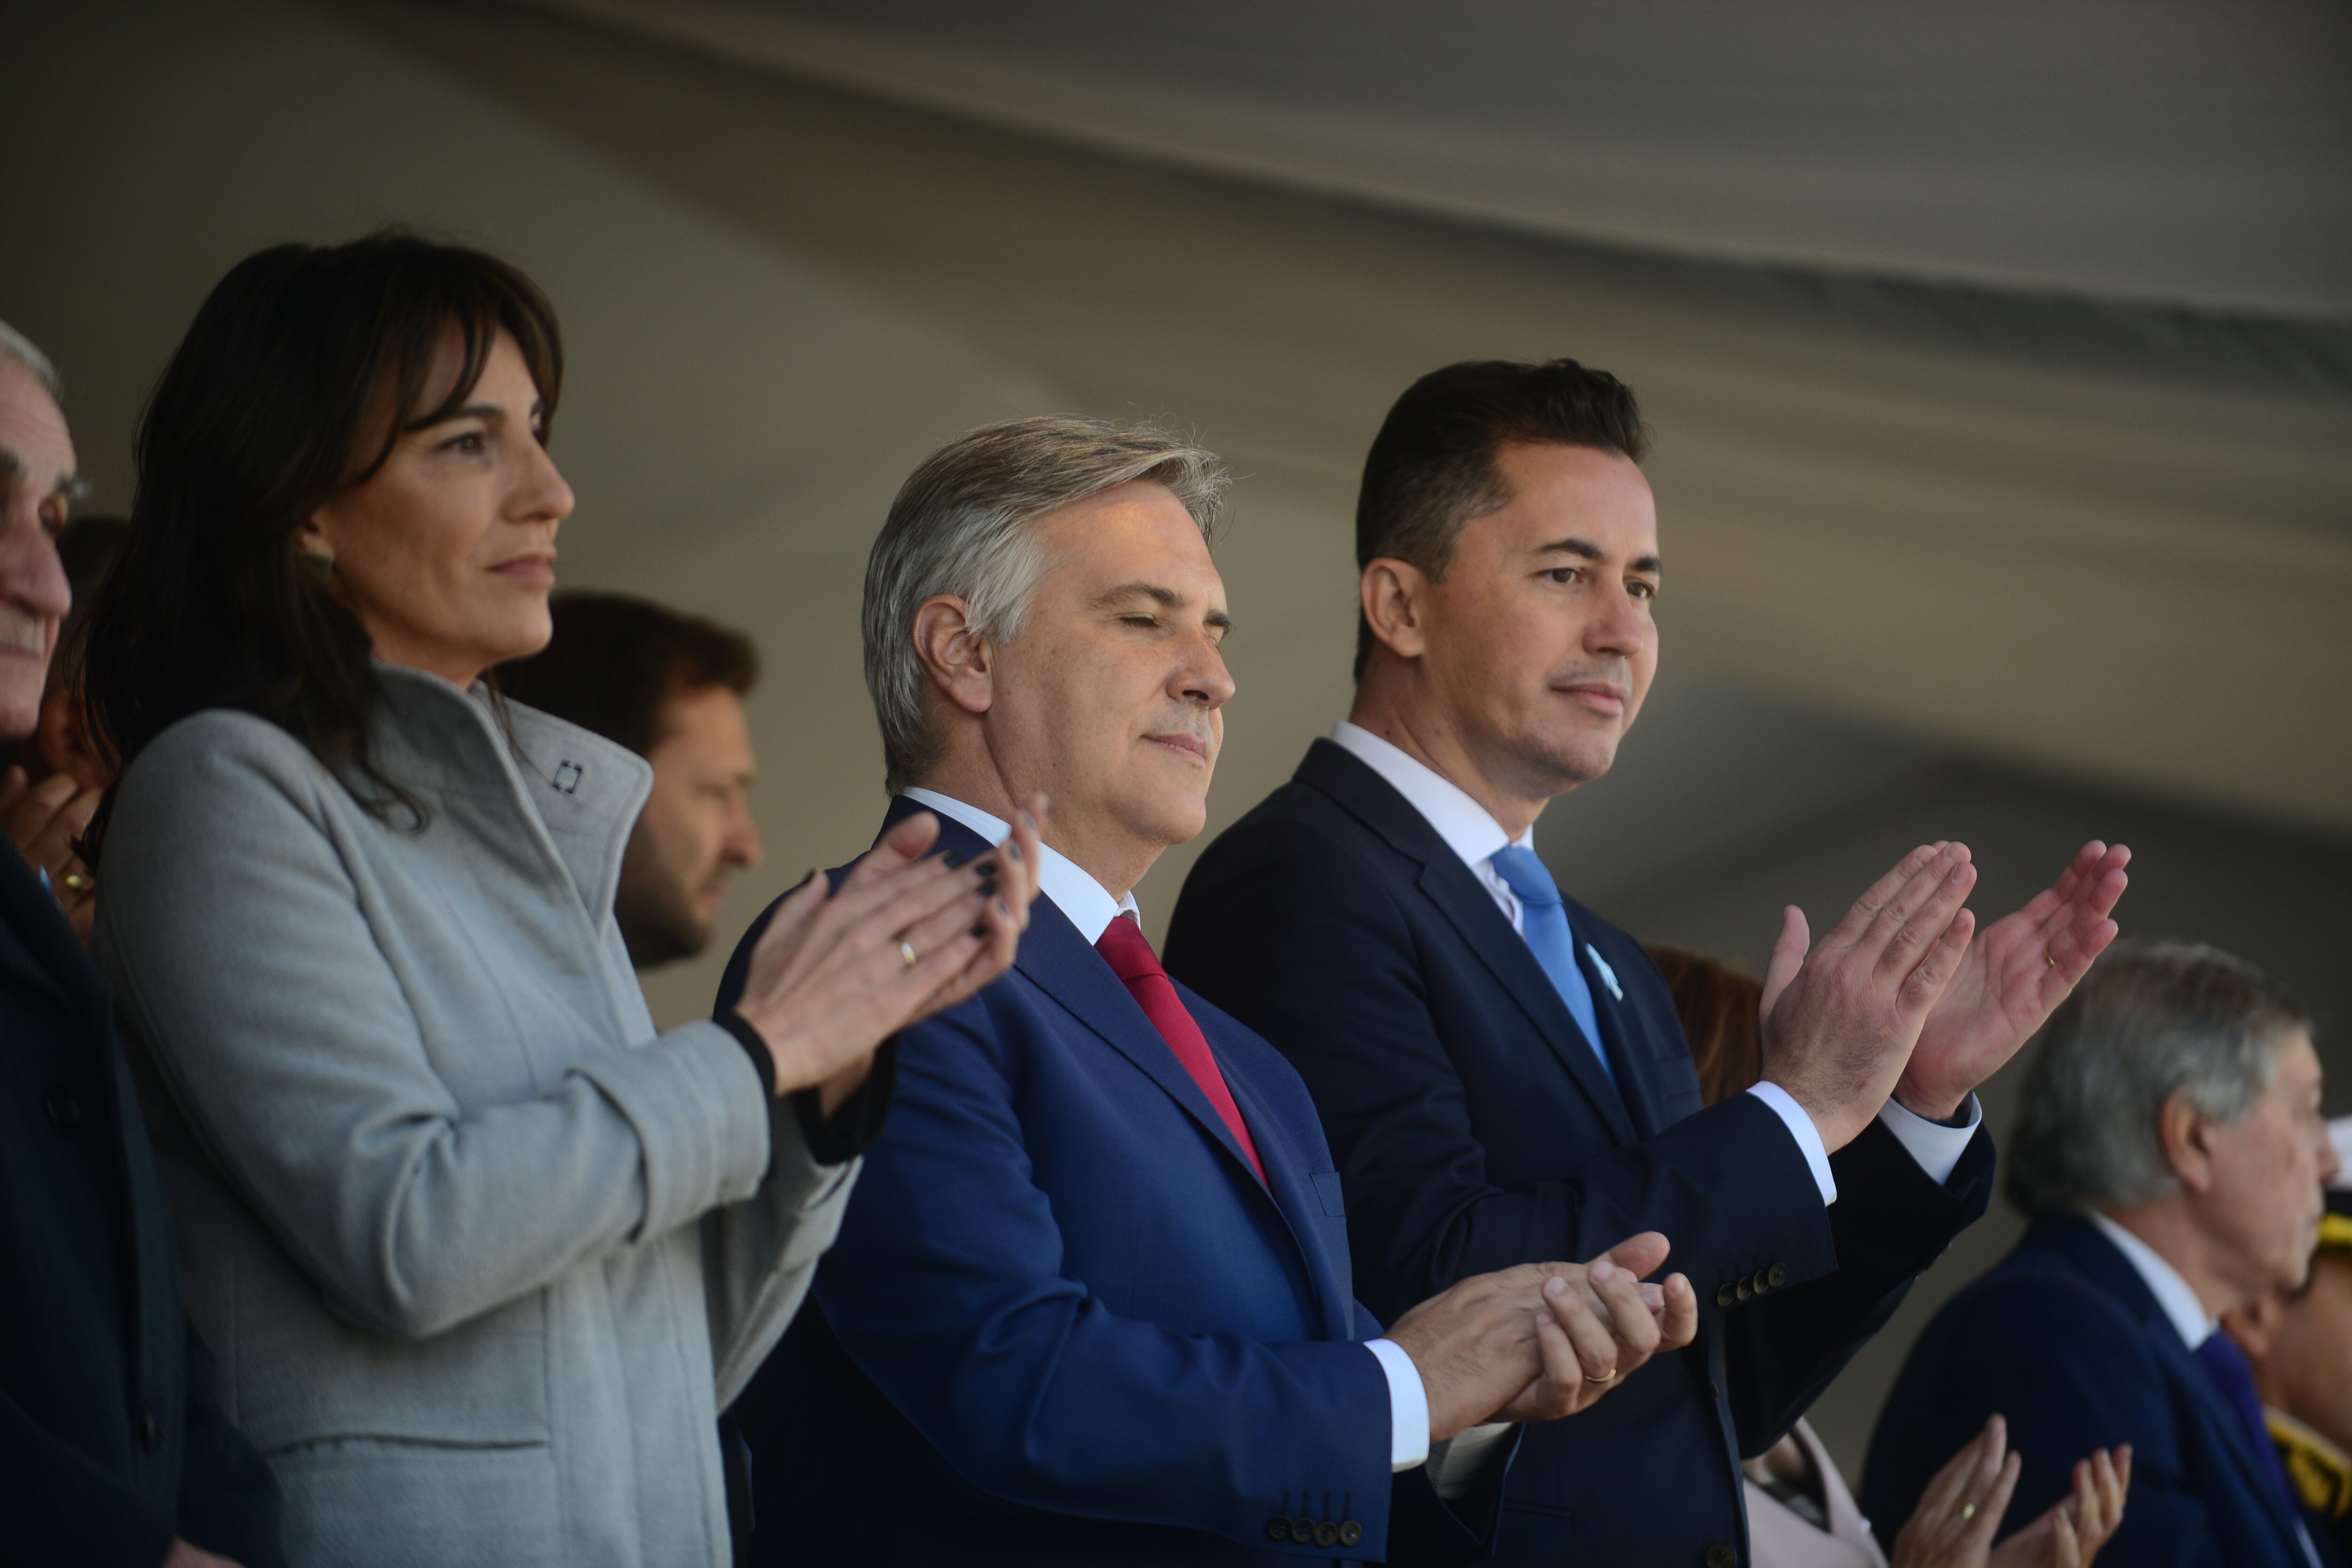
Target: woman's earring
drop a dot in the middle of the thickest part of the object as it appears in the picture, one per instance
(317, 563)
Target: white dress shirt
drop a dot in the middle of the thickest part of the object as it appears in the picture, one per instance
(1089, 906)
(1473, 834)
(2181, 1307)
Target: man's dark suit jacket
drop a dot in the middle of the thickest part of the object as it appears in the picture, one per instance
(1475, 1130)
(1064, 1324)
(2063, 1338)
(110, 1442)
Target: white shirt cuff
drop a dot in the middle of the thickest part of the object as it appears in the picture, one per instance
(1408, 1406)
(1807, 1136)
(1936, 1147)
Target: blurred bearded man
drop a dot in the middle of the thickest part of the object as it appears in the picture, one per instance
(670, 688)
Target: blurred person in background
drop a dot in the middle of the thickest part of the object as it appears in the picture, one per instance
(113, 1451)
(2171, 1156)
(1090, 1305)
(54, 777)
(2300, 1343)
(1500, 1071)
(670, 688)
(1800, 1512)
(490, 1250)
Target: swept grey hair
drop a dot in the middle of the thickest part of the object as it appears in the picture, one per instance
(961, 526)
(21, 349)
(2150, 1020)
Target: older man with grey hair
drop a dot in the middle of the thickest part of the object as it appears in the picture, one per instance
(112, 1450)
(2172, 1156)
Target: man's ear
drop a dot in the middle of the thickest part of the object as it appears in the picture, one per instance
(2182, 1132)
(954, 653)
(1394, 596)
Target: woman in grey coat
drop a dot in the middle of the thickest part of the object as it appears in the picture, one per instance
(482, 1255)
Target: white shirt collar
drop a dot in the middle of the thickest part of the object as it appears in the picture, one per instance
(1467, 827)
(2164, 1282)
(1086, 902)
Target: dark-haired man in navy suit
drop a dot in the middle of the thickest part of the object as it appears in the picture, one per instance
(1500, 1071)
(1090, 1303)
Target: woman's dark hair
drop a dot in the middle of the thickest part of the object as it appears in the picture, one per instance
(1431, 469)
(275, 401)
(1718, 1007)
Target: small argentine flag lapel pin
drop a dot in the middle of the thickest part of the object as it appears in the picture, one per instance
(1608, 976)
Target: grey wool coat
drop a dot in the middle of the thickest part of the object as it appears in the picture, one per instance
(479, 1254)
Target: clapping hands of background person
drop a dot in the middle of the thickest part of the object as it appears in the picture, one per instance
(1840, 1020)
(42, 821)
(1962, 1509)
(2011, 979)
(1544, 1339)
(840, 970)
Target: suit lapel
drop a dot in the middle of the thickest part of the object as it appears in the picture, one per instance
(2100, 1258)
(1449, 885)
(39, 949)
(1289, 1186)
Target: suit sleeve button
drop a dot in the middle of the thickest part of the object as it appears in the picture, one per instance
(1722, 1556)
(1279, 1528)
(1350, 1533)
(151, 1431)
(1724, 1298)
(1302, 1531)
(1326, 1534)
(1745, 1288)
(1779, 1275)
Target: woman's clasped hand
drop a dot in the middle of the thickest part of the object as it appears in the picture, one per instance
(840, 970)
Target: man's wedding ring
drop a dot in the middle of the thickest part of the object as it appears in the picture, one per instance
(76, 882)
(906, 951)
(1605, 1377)
(1968, 1512)
(2047, 959)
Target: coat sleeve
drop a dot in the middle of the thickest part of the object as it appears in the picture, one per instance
(1297, 937)
(243, 951)
(947, 1290)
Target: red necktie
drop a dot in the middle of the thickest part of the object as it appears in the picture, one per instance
(1131, 957)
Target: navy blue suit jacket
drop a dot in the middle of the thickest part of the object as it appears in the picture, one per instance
(1475, 1130)
(1064, 1324)
(110, 1440)
(2063, 1338)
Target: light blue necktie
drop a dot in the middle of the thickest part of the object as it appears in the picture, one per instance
(1544, 922)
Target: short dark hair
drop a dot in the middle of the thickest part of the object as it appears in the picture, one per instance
(615, 659)
(296, 379)
(1432, 467)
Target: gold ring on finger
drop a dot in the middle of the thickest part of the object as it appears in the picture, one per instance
(75, 882)
(2047, 959)
(1968, 1512)
(1610, 1376)
(906, 951)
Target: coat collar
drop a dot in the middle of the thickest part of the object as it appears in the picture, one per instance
(580, 792)
(2077, 1240)
(1359, 791)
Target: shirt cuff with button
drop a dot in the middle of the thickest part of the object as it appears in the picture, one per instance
(1936, 1147)
(1408, 1406)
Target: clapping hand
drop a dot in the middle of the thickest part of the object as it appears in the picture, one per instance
(840, 970)
(2015, 974)
(1840, 1019)
(1961, 1510)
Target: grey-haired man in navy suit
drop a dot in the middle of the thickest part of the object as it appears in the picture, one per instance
(1500, 1072)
